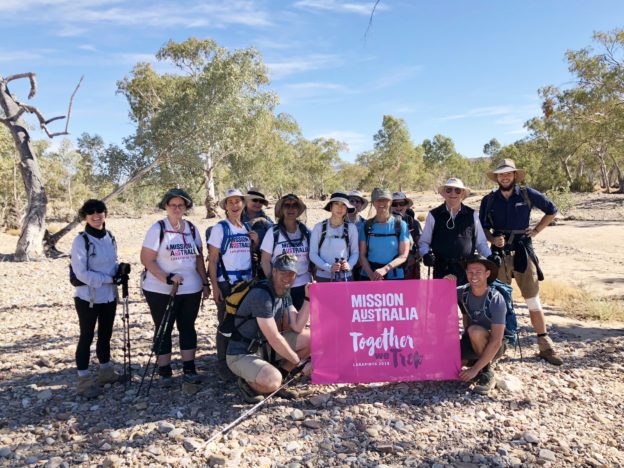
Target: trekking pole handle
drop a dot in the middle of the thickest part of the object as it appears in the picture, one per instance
(124, 289)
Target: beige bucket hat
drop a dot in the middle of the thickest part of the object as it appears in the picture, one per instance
(457, 183)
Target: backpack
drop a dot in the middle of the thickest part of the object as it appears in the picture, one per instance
(225, 243)
(511, 323)
(368, 232)
(345, 235)
(488, 207)
(305, 232)
(238, 292)
(73, 279)
(161, 236)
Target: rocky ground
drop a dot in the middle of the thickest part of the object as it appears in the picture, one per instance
(537, 415)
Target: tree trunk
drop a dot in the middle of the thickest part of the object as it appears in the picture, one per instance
(603, 172)
(620, 179)
(564, 163)
(30, 243)
(210, 202)
(580, 168)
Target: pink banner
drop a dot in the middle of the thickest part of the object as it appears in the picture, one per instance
(384, 331)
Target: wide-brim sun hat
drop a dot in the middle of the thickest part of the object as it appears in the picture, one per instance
(255, 194)
(229, 193)
(278, 205)
(506, 165)
(381, 194)
(341, 197)
(402, 196)
(176, 192)
(360, 195)
(490, 265)
(457, 183)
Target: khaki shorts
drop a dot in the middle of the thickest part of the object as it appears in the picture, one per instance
(526, 281)
(248, 366)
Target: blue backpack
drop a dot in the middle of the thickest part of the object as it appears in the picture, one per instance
(511, 323)
(225, 243)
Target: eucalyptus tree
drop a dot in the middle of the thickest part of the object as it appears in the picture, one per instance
(211, 108)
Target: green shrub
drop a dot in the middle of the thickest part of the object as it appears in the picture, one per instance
(581, 184)
(562, 198)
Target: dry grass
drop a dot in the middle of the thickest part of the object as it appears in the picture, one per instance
(13, 232)
(578, 303)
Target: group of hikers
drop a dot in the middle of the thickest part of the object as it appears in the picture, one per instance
(278, 260)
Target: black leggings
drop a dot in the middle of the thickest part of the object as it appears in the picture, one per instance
(104, 315)
(185, 309)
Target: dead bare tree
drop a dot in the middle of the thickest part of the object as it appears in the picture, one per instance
(30, 244)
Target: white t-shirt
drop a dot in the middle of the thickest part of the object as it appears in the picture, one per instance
(237, 257)
(296, 244)
(177, 253)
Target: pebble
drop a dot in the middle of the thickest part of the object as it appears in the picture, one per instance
(319, 400)
(111, 461)
(530, 438)
(546, 454)
(509, 383)
(297, 414)
(5, 452)
(165, 426)
(44, 395)
(191, 444)
(54, 462)
(312, 424)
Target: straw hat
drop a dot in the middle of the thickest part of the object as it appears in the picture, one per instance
(507, 165)
(278, 205)
(254, 194)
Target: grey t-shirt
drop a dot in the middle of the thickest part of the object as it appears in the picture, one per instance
(476, 314)
(257, 303)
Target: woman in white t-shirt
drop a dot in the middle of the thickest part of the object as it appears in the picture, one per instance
(289, 235)
(172, 253)
(334, 242)
(230, 246)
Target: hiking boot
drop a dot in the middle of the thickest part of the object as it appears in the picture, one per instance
(192, 377)
(287, 394)
(224, 372)
(165, 381)
(546, 351)
(248, 393)
(485, 382)
(107, 375)
(550, 356)
(86, 387)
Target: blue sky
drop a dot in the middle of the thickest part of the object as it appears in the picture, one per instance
(469, 70)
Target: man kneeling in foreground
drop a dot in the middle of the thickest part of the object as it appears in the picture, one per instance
(484, 323)
(271, 337)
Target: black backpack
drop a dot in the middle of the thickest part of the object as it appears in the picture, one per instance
(345, 235)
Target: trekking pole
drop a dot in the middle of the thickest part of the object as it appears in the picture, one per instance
(337, 274)
(160, 334)
(344, 273)
(125, 319)
(293, 375)
(428, 272)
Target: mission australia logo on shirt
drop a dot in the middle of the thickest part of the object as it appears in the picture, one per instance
(181, 252)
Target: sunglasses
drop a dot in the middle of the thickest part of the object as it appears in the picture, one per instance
(177, 207)
(91, 211)
(257, 200)
(288, 206)
(355, 200)
(395, 204)
(451, 189)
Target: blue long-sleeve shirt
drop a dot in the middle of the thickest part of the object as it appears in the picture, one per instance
(513, 213)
